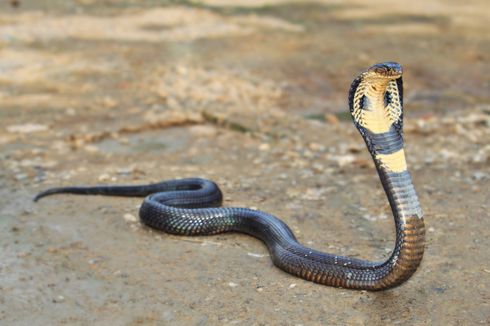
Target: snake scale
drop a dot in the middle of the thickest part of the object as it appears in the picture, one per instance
(191, 206)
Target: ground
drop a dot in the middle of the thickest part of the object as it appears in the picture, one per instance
(253, 95)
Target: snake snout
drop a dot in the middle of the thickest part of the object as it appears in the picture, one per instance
(391, 70)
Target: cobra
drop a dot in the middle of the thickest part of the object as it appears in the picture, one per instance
(191, 206)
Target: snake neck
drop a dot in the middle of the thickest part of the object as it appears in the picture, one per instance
(387, 150)
(399, 189)
(409, 223)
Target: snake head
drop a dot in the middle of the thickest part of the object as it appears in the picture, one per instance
(385, 70)
(376, 106)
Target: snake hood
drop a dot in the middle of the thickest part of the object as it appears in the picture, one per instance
(376, 106)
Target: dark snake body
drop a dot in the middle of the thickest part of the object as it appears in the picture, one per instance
(190, 207)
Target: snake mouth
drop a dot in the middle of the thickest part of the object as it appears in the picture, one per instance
(388, 70)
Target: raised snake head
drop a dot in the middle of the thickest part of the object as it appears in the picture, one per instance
(385, 70)
(376, 105)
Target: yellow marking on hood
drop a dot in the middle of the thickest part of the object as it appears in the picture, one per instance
(393, 162)
(376, 120)
(375, 116)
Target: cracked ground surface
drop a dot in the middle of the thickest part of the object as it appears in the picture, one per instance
(253, 96)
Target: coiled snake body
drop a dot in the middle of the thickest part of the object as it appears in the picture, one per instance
(190, 206)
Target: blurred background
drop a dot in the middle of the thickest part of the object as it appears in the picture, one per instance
(251, 94)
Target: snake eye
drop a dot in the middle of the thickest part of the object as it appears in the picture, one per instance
(381, 70)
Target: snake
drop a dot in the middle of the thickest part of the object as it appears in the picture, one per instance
(192, 206)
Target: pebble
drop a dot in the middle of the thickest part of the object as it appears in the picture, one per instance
(292, 285)
(315, 147)
(316, 193)
(251, 254)
(232, 285)
(375, 218)
(108, 102)
(168, 316)
(70, 111)
(23, 254)
(91, 148)
(342, 160)
(21, 176)
(203, 130)
(332, 119)
(120, 274)
(479, 176)
(27, 128)
(104, 177)
(130, 217)
(125, 171)
(59, 299)
(447, 154)
(264, 147)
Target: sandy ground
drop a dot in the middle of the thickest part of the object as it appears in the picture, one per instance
(251, 94)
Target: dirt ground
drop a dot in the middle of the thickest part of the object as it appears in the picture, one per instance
(253, 95)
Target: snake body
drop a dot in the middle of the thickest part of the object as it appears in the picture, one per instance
(191, 206)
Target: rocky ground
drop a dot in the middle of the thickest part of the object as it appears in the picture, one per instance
(253, 96)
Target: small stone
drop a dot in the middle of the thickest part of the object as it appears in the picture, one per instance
(264, 147)
(355, 148)
(91, 148)
(21, 176)
(130, 217)
(232, 285)
(292, 285)
(203, 130)
(23, 254)
(96, 260)
(59, 299)
(120, 274)
(123, 141)
(108, 102)
(446, 154)
(315, 147)
(251, 254)
(479, 176)
(332, 119)
(135, 227)
(124, 171)
(316, 193)
(342, 160)
(318, 167)
(70, 111)
(5, 139)
(168, 316)
(104, 177)
(27, 128)
(308, 154)
(375, 218)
